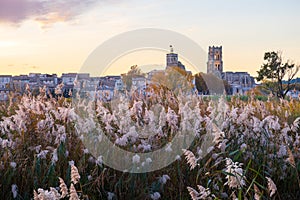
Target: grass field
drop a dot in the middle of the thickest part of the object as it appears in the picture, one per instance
(244, 148)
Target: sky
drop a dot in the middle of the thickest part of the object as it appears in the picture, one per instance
(57, 36)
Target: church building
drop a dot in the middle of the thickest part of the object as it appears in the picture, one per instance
(240, 82)
(172, 60)
(215, 61)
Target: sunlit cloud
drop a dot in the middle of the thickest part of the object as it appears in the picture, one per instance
(42, 11)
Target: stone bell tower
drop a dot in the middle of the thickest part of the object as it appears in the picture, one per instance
(172, 58)
(215, 61)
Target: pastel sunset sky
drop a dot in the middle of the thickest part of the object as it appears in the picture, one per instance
(56, 36)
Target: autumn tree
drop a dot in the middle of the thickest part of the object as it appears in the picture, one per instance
(175, 79)
(133, 72)
(277, 74)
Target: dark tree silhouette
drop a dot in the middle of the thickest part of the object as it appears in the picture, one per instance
(273, 73)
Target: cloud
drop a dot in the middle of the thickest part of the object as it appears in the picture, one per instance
(44, 11)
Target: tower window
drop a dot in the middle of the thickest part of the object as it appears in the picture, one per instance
(218, 67)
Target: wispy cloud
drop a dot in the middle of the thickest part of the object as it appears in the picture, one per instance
(44, 11)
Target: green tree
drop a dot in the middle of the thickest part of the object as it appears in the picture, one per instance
(273, 73)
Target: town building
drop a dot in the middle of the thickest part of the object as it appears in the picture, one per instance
(68, 78)
(19, 83)
(73, 81)
(5, 81)
(139, 83)
(108, 86)
(295, 94)
(5, 86)
(240, 82)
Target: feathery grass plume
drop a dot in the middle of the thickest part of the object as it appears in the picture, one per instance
(204, 193)
(271, 186)
(193, 193)
(191, 159)
(233, 196)
(235, 178)
(155, 196)
(110, 195)
(63, 188)
(14, 190)
(42, 195)
(291, 158)
(35, 195)
(73, 193)
(55, 193)
(254, 128)
(257, 195)
(75, 176)
(135, 159)
(164, 178)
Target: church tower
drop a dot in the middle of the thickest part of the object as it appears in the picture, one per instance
(172, 58)
(215, 62)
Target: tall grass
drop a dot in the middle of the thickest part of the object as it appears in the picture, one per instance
(253, 139)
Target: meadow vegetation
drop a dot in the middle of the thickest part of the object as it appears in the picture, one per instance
(253, 152)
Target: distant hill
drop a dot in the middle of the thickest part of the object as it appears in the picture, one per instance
(296, 80)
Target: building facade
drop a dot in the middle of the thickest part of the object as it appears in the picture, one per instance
(5, 86)
(240, 82)
(5, 81)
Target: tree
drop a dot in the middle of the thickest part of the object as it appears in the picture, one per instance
(211, 84)
(273, 73)
(200, 83)
(228, 88)
(127, 78)
(175, 79)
